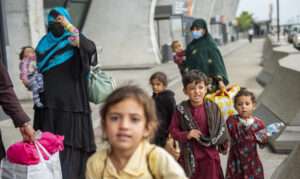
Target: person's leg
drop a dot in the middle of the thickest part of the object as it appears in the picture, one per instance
(40, 82)
(35, 91)
(73, 162)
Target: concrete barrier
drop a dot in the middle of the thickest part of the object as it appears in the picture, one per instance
(267, 49)
(289, 168)
(271, 54)
(280, 102)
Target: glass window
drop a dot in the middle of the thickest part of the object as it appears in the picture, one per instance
(78, 12)
(80, 1)
(48, 4)
(177, 29)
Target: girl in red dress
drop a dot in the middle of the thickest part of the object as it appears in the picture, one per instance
(246, 131)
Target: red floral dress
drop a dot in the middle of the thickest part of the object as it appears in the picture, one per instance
(243, 160)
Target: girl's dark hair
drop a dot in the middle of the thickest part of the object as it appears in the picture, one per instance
(136, 93)
(21, 54)
(160, 76)
(244, 92)
(194, 76)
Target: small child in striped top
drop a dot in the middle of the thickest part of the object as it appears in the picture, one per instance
(31, 78)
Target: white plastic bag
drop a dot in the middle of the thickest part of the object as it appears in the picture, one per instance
(46, 169)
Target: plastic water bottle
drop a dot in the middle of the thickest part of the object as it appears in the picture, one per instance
(274, 128)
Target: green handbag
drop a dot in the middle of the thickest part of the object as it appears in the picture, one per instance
(100, 85)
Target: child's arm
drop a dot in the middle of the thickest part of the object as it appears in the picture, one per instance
(163, 165)
(179, 57)
(74, 39)
(182, 136)
(175, 131)
(230, 126)
(261, 133)
(24, 71)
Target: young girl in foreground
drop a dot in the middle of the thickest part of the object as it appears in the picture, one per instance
(128, 121)
(245, 131)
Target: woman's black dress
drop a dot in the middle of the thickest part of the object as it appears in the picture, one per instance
(67, 111)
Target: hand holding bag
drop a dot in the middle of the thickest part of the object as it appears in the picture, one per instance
(224, 100)
(45, 169)
(172, 146)
(100, 85)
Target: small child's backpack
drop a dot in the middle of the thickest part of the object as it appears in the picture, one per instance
(151, 163)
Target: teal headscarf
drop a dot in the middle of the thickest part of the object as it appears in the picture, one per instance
(51, 50)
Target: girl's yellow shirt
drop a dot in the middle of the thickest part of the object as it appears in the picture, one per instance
(147, 162)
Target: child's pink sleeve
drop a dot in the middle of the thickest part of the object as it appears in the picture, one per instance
(179, 57)
(175, 130)
(24, 71)
(181, 54)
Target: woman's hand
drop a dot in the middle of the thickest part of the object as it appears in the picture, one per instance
(194, 133)
(222, 86)
(62, 20)
(27, 132)
(223, 148)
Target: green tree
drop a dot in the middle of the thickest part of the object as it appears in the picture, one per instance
(245, 21)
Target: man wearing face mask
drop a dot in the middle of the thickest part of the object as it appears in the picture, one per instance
(203, 54)
(64, 57)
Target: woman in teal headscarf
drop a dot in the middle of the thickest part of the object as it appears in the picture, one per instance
(203, 54)
(64, 57)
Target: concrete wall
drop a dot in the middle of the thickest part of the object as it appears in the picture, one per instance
(25, 27)
(203, 9)
(289, 168)
(227, 8)
(280, 101)
(209, 8)
(118, 24)
(125, 30)
(279, 96)
(271, 55)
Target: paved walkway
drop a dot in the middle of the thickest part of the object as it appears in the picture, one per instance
(242, 61)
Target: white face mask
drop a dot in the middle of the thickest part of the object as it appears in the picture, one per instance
(197, 34)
